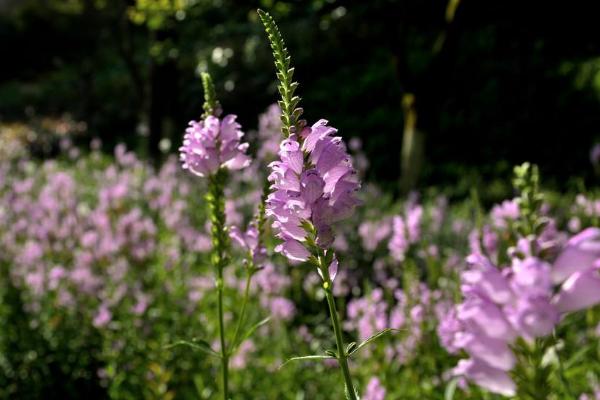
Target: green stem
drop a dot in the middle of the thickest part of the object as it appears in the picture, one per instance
(342, 356)
(240, 322)
(224, 355)
(220, 242)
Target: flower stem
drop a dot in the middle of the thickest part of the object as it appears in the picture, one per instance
(220, 242)
(224, 355)
(342, 356)
(240, 321)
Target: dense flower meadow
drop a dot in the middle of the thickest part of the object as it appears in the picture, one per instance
(263, 266)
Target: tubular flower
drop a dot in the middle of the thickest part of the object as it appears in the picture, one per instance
(577, 269)
(249, 241)
(313, 182)
(524, 300)
(210, 144)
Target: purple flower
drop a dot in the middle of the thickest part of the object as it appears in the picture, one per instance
(577, 269)
(211, 143)
(280, 307)
(493, 379)
(494, 352)
(399, 243)
(486, 280)
(374, 390)
(314, 182)
(249, 241)
(482, 315)
(533, 316)
(240, 359)
(505, 213)
(580, 291)
(405, 231)
(103, 317)
(372, 233)
(579, 254)
(531, 276)
(269, 132)
(448, 329)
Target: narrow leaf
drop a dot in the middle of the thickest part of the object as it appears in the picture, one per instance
(196, 344)
(331, 353)
(450, 389)
(350, 348)
(306, 358)
(253, 328)
(371, 339)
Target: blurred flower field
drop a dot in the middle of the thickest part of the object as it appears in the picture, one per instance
(263, 264)
(105, 266)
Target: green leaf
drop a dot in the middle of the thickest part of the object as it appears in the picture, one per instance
(196, 344)
(371, 339)
(575, 358)
(331, 353)
(307, 358)
(253, 329)
(351, 347)
(450, 389)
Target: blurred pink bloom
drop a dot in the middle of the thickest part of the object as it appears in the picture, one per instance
(493, 379)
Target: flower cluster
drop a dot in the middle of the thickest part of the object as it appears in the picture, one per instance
(249, 242)
(269, 133)
(211, 143)
(577, 270)
(374, 390)
(406, 231)
(502, 305)
(313, 182)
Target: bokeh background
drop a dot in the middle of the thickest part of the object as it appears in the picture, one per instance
(483, 85)
(105, 248)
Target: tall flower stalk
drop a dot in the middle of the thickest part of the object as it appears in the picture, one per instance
(313, 186)
(212, 146)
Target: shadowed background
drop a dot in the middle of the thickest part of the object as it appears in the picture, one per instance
(470, 88)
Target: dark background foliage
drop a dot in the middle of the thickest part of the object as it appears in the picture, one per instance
(491, 83)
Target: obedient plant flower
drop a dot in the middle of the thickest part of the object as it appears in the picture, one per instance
(249, 241)
(213, 143)
(508, 306)
(320, 191)
(209, 147)
(504, 304)
(406, 231)
(313, 186)
(578, 269)
(374, 390)
(269, 133)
